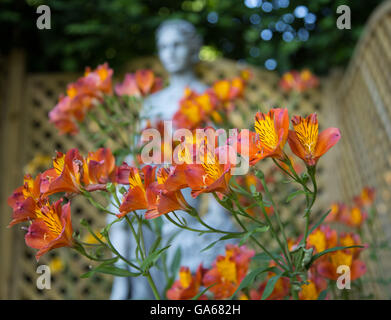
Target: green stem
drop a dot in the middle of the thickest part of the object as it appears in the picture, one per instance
(144, 255)
(281, 226)
(311, 172)
(252, 237)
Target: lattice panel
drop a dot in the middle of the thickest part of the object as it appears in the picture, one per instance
(363, 105)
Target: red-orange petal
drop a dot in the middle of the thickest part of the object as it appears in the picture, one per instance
(326, 140)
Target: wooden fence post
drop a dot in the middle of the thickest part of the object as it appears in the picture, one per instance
(10, 160)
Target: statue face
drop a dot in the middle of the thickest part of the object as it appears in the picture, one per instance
(174, 50)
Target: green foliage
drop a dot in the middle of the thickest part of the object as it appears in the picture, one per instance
(90, 32)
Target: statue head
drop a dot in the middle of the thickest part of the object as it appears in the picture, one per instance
(178, 45)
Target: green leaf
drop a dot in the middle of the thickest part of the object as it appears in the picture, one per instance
(226, 237)
(202, 292)
(265, 257)
(156, 243)
(110, 269)
(319, 222)
(250, 278)
(270, 286)
(294, 195)
(250, 233)
(176, 261)
(152, 258)
(209, 246)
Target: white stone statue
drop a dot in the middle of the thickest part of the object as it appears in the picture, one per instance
(178, 46)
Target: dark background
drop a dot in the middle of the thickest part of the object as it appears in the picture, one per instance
(90, 32)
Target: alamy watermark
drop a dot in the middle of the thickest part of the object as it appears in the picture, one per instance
(204, 146)
(44, 20)
(343, 281)
(44, 280)
(344, 20)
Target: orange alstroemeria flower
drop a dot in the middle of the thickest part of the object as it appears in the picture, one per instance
(269, 138)
(99, 80)
(280, 291)
(69, 173)
(228, 271)
(327, 265)
(366, 197)
(354, 217)
(194, 109)
(348, 239)
(309, 291)
(227, 90)
(336, 211)
(136, 197)
(62, 116)
(187, 286)
(322, 238)
(212, 174)
(298, 81)
(24, 200)
(82, 95)
(162, 201)
(140, 83)
(328, 268)
(306, 143)
(51, 228)
(101, 166)
(72, 173)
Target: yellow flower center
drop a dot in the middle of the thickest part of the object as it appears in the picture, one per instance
(340, 258)
(306, 75)
(227, 268)
(185, 278)
(28, 186)
(71, 92)
(264, 127)
(307, 133)
(191, 110)
(135, 180)
(318, 240)
(103, 73)
(347, 241)
(162, 176)
(309, 291)
(58, 164)
(204, 102)
(288, 77)
(50, 218)
(211, 165)
(355, 216)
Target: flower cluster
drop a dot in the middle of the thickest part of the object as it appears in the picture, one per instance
(272, 132)
(323, 269)
(353, 215)
(298, 81)
(81, 96)
(71, 174)
(324, 238)
(198, 109)
(223, 278)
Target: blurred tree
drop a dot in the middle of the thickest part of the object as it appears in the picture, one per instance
(278, 34)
